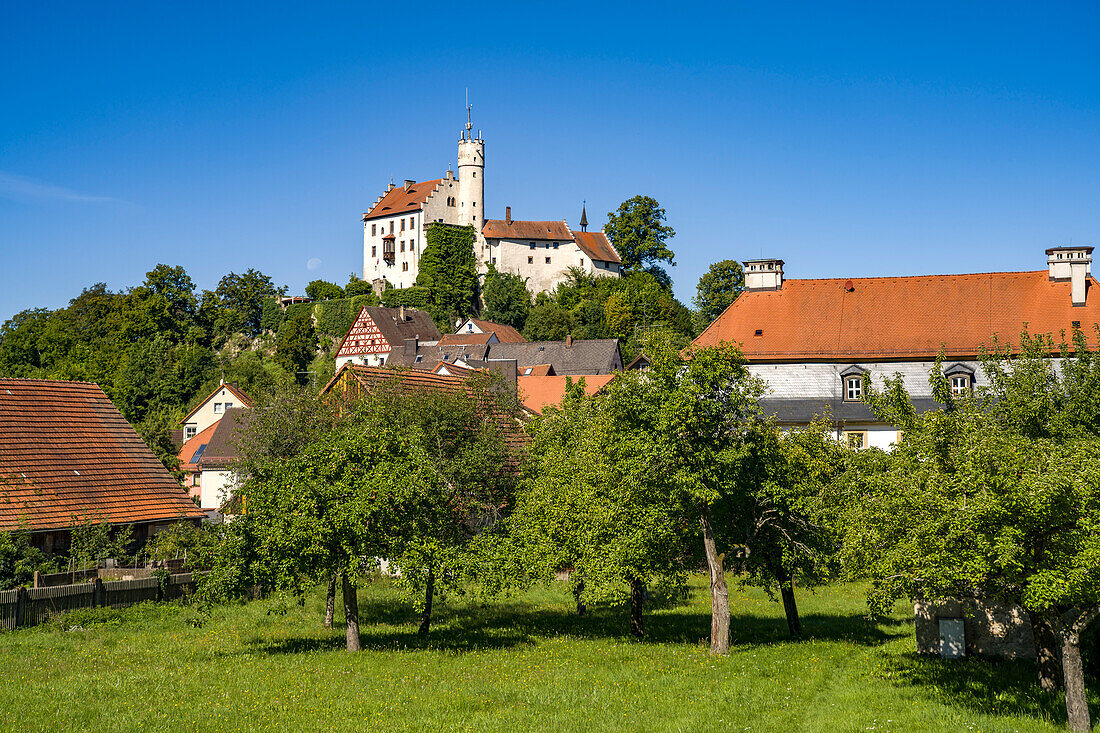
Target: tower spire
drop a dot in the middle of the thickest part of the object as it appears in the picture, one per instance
(584, 217)
(469, 107)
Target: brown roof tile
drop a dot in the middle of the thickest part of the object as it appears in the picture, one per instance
(66, 451)
(596, 246)
(899, 317)
(403, 199)
(537, 392)
(501, 229)
(505, 334)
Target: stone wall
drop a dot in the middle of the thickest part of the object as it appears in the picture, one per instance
(994, 630)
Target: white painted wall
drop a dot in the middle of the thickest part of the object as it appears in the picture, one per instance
(215, 488)
(808, 381)
(205, 416)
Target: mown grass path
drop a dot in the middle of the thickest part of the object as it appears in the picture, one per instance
(513, 665)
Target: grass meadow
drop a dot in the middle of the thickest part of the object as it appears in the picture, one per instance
(518, 664)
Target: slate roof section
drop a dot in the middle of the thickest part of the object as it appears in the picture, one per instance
(597, 246)
(536, 392)
(803, 411)
(884, 318)
(222, 450)
(588, 356)
(536, 230)
(66, 451)
(403, 199)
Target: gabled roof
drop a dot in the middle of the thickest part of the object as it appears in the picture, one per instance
(853, 319)
(417, 324)
(505, 334)
(222, 450)
(502, 229)
(245, 399)
(66, 451)
(196, 444)
(588, 356)
(596, 246)
(536, 392)
(453, 339)
(403, 199)
(538, 370)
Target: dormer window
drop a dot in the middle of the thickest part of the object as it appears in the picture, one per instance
(960, 385)
(853, 389)
(961, 378)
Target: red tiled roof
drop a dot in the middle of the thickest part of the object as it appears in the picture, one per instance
(66, 451)
(899, 317)
(596, 246)
(403, 199)
(537, 392)
(186, 455)
(236, 393)
(501, 229)
(454, 339)
(452, 369)
(505, 334)
(538, 370)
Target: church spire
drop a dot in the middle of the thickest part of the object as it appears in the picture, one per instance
(584, 218)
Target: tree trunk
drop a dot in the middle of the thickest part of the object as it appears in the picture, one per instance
(578, 589)
(637, 600)
(351, 614)
(330, 602)
(1077, 704)
(1047, 653)
(719, 592)
(790, 607)
(426, 617)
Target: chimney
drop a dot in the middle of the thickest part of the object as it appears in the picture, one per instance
(410, 345)
(409, 182)
(391, 187)
(569, 341)
(1072, 264)
(508, 215)
(450, 175)
(401, 313)
(763, 274)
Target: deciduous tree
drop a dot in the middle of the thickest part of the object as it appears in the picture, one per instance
(640, 236)
(718, 288)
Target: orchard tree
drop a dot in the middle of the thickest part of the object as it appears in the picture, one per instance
(972, 504)
(640, 236)
(718, 288)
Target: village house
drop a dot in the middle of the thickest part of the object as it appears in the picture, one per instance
(207, 462)
(478, 351)
(210, 410)
(812, 340)
(376, 332)
(67, 456)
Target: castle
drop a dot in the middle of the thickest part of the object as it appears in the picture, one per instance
(541, 251)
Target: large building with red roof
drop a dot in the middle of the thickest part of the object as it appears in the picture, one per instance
(396, 226)
(813, 340)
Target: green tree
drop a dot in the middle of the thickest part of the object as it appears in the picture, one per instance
(357, 286)
(243, 296)
(718, 288)
(507, 299)
(640, 236)
(977, 501)
(296, 345)
(547, 321)
(448, 269)
(323, 290)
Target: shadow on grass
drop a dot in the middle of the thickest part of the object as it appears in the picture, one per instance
(993, 687)
(388, 624)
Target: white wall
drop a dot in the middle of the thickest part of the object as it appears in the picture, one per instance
(205, 416)
(215, 488)
(807, 381)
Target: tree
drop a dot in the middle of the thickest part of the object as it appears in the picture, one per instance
(718, 288)
(640, 236)
(970, 504)
(357, 286)
(323, 290)
(547, 322)
(296, 346)
(448, 269)
(506, 297)
(244, 296)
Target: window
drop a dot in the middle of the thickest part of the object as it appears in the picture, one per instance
(374, 251)
(494, 260)
(548, 260)
(412, 222)
(228, 405)
(189, 432)
(555, 245)
(960, 385)
(404, 266)
(532, 245)
(218, 408)
(853, 388)
(855, 439)
(373, 229)
(402, 245)
(530, 260)
(412, 245)
(391, 226)
(402, 224)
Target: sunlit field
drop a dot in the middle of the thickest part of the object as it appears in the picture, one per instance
(524, 663)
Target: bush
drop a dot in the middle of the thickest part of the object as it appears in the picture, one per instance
(322, 290)
(415, 297)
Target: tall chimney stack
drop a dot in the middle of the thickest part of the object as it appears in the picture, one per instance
(763, 274)
(1073, 264)
(508, 215)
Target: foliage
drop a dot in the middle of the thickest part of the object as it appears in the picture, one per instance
(19, 560)
(243, 296)
(358, 286)
(507, 299)
(199, 543)
(718, 288)
(324, 290)
(93, 541)
(296, 346)
(417, 296)
(271, 318)
(335, 317)
(448, 269)
(640, 236)
(547, 321)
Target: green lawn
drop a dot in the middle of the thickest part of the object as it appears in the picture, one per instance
(521, 664)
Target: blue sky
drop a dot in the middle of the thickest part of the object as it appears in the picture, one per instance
(850, 141)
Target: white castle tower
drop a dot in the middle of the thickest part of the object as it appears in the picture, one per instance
(471, 181)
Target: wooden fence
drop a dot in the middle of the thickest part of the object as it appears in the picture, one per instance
(31, 606)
